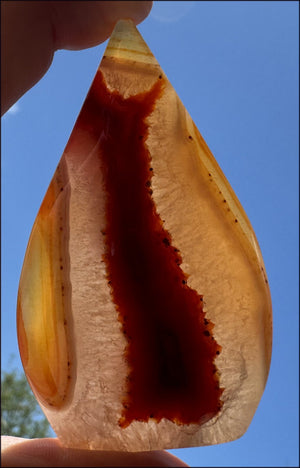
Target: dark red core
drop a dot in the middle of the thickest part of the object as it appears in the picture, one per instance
(171, 350)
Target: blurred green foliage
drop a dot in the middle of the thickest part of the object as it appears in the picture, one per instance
(21, 415)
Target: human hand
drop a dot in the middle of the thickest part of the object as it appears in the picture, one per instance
(49, 452)
(31, 32)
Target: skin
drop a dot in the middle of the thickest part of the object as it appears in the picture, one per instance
(31, 32)
(49, 452)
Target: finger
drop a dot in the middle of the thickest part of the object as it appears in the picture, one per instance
(49, 452)
(31, 32)
(85, 24)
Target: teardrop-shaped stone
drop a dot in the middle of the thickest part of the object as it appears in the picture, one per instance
(144, 313)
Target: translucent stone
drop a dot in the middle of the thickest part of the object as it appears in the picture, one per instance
(144, 313)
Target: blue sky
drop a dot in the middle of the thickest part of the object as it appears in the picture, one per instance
(235, 67)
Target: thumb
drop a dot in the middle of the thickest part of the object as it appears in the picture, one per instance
(31, 32)
(20, 452)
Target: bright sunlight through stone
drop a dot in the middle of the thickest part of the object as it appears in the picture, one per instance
(144, 313)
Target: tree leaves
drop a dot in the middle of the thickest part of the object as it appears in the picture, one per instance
(21, 415)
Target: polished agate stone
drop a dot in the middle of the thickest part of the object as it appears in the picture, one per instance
(144, 312)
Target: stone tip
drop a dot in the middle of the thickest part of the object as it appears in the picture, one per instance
(127, 43)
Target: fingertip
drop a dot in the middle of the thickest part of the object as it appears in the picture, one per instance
(78, 25)
(143, 12)
(50, 452)
(31, 32)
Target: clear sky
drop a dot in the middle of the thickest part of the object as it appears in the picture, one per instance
(235, 67)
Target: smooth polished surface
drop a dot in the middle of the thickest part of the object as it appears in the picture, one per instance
(80, 373)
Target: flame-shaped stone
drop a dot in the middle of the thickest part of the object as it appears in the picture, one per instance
(144, 313)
